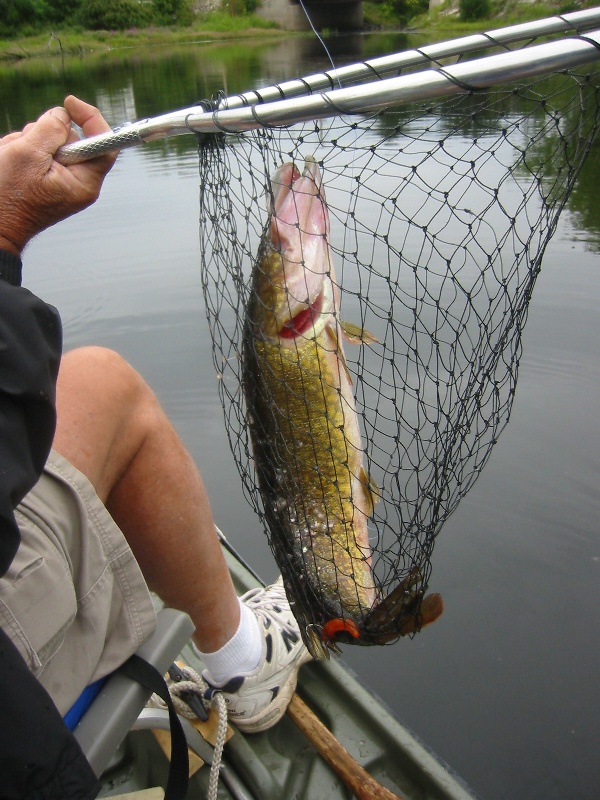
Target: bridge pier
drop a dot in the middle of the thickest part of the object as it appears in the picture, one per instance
(335, 15)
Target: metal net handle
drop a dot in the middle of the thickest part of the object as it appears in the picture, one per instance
(467, 77)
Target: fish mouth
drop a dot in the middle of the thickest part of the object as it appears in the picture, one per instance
(304, 319)
(294, 283)
(293, 197)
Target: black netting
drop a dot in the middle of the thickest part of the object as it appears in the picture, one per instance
(439, 217)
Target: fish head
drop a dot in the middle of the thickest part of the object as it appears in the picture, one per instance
(295, 295)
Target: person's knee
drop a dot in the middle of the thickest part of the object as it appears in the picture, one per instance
(103, 371)
(94, 358)
(105, 413)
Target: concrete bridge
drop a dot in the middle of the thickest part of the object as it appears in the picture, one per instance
(337, 15)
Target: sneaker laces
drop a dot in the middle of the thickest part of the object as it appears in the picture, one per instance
(191, 684)
(261, 601)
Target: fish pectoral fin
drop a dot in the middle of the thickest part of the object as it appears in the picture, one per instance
(331, 332)
(372, 492)
(315, 645)
(356, 335)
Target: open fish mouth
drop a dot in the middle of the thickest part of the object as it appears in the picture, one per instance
(309, 182)
(303, 320)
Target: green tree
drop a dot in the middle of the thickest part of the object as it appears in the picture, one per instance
(18, 14)
(113, 14)
(168, 12)
(402, 10)
(471, 10)
(62, 10)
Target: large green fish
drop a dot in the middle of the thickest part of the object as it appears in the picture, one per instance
(304, 428)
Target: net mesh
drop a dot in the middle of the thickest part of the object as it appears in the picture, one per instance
(439, 217)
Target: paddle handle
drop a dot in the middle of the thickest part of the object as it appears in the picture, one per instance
(363, 785)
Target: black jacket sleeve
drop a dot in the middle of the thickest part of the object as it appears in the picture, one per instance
(39, 757)
(30, 348)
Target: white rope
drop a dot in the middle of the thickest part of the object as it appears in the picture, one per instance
(213, 782)
(195, 684)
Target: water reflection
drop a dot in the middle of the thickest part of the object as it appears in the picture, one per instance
(160, 79)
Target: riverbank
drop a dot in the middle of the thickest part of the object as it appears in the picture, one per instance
(446, 17)
(219, 26)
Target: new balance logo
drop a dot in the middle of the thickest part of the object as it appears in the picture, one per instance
(289, 639)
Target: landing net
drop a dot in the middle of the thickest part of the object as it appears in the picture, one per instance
(440, 213)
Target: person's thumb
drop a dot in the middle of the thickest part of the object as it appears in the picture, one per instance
(50, 131)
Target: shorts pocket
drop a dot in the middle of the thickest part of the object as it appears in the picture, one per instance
(37, 599)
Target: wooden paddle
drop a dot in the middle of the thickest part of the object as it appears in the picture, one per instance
(363, 785)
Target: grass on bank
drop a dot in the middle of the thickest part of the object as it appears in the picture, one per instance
(503, 13)
(382, 14)
(77, 41)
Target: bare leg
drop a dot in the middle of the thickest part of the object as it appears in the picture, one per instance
(112, 428)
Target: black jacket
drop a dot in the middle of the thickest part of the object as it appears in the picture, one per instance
(39, 757)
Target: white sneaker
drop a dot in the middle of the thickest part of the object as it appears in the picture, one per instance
(256, 701)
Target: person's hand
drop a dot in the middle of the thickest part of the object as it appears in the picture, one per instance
(35, 190)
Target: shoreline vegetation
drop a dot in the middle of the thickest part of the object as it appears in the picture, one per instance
(219, 26)
(76, 42)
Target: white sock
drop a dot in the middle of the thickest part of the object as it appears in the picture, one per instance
(240, 655)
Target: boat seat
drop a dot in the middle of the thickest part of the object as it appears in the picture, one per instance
(118, 705)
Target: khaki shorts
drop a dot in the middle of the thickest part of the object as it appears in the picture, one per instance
(74, 600)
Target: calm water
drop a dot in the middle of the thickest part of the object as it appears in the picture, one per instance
(505, 687)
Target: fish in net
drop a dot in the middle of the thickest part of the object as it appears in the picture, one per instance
(367, 281)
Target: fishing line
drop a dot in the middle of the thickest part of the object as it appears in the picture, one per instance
(331, 61)
(310, 22)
